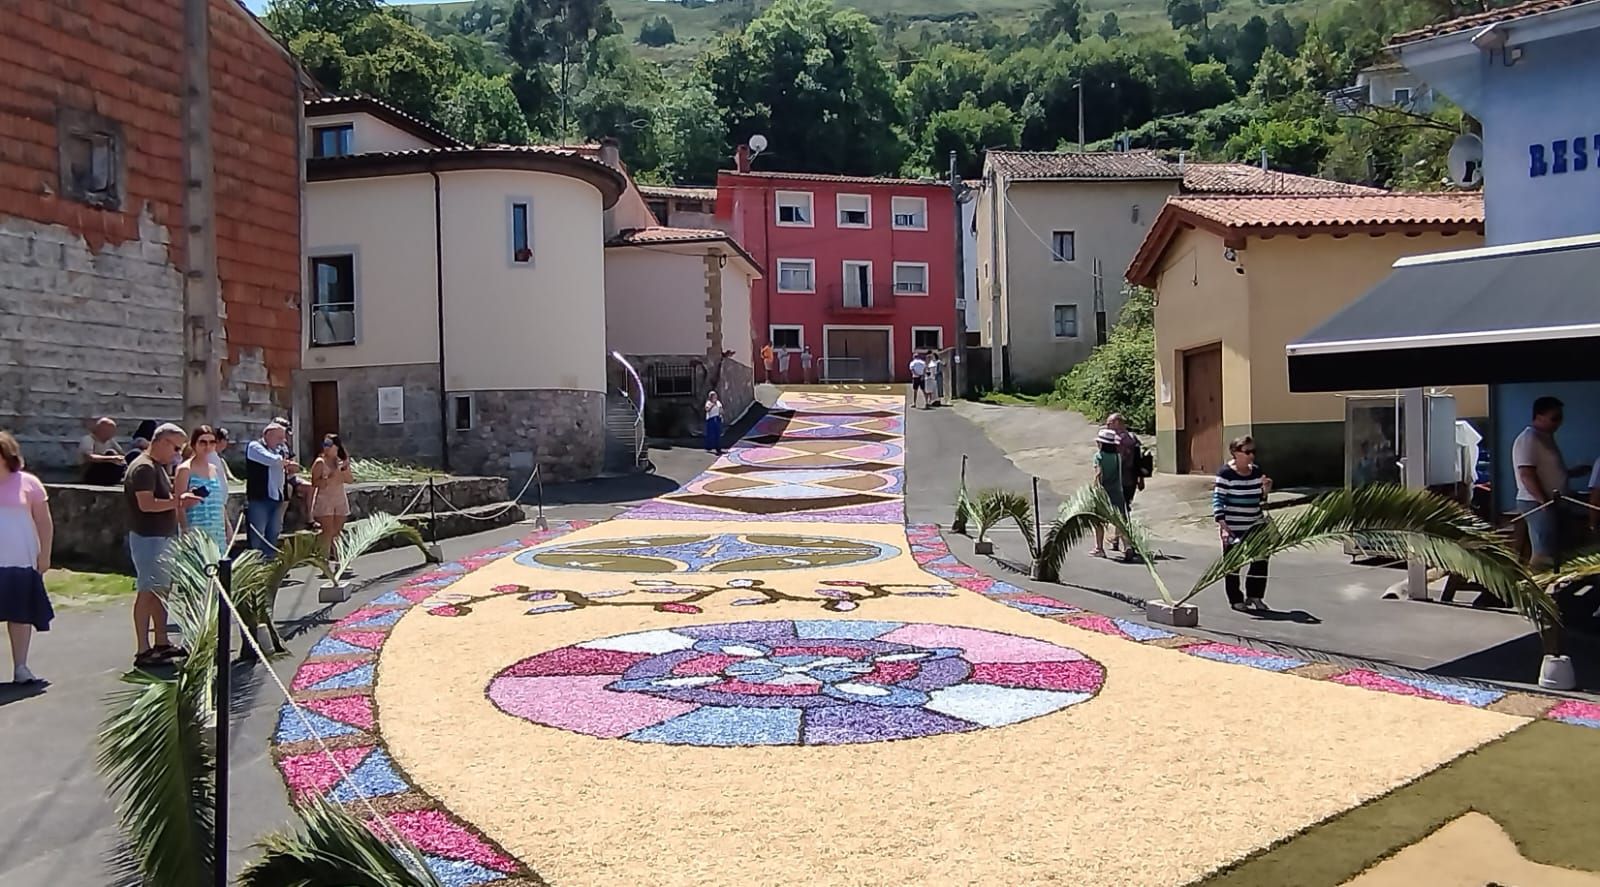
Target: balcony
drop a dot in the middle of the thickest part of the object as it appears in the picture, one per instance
(875, 300)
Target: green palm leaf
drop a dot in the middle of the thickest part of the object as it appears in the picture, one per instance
(360, 536)
(959, 525)
(989, 507)
(1087, 508)
(1402, 523)
(333, 850)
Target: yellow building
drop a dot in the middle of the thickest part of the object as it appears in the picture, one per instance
(1237, 278)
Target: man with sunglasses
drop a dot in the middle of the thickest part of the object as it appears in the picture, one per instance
(1238, 503)
(1541, 480)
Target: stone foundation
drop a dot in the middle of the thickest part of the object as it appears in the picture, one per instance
(563, 430)
(415, 440)
(683, 416)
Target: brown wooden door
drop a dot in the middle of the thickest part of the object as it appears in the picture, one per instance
(1200, 444)
(324, 411)
(871, 346)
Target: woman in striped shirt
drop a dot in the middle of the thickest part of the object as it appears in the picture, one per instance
(1238, 502)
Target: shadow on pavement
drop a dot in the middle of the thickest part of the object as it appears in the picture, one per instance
(1508, 662)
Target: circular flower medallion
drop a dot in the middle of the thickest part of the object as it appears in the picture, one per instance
(801, 682)
(708, 553)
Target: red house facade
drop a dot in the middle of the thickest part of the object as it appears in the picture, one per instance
(861, 271)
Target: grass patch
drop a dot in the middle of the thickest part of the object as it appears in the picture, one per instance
(1011, 399)
(81, 588)
(375, 471)
(1539, 783)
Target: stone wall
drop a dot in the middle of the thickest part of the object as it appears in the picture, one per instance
(561, 429)
(416, 440)
(91, 292)
(92, 522)
(681, 417)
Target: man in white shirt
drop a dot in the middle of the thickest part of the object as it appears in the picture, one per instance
(919, 379)
(1541, 480)
(99, 455)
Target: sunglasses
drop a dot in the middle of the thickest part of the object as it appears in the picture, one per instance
(205, 440)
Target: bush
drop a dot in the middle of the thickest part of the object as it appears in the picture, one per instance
(657, 32)
(1120, 376)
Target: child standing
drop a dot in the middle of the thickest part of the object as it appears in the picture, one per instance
(713, 423)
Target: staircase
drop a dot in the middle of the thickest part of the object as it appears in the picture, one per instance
(625, 449)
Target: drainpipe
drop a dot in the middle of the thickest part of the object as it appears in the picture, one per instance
(611, 155)
(438, 282)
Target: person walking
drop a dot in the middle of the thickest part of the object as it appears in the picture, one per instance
(265, 470)
(919, 378)
(152, 523)
(713, 423)
(1238, 502)
(198, 474)
(1117, 461)
(331, 507)
(26, 536)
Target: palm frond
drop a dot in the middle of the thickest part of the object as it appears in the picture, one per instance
(360, 536)
(192, 604)
(332, 849)
(959, 524)
(1403, 523)
(988, 508)
(1086, 509)
(153, 753)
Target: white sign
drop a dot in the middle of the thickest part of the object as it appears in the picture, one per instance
(391, 406)
(1166, 393)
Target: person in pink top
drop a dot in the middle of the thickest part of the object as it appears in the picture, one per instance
(26, 534)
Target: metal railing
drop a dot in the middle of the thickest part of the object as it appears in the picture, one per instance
(843, 369)
(638, 441)
(853, 299)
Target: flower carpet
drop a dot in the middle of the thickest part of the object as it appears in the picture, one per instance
(767, 678)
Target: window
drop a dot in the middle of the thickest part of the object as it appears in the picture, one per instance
(910, 279)
(90, 148)
(855, 211)
(332, 141)
(659, 209)
(1063, 246)
(1402, 96)
(910, 213)
(858, 284)
(461, 412)
(927, 338)
(797, 276)
(1066, 321)
(521, 234)
(794, 208)
(333, 300)
(790, 337)
(671, 379)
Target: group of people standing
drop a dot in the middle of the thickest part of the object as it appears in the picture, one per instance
(927, 378)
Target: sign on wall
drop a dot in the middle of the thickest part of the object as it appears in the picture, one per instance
(391, 406)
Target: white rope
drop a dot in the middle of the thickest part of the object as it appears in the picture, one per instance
(516, 501)
(250, 640)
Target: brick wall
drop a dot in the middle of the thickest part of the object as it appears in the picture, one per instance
(91, 300)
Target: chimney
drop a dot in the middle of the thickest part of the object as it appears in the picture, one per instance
(1264, 158)
(741, 158)
(1183, 161)
(611, 155)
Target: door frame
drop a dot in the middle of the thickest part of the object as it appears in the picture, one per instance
(889, 328)
(1180, 414)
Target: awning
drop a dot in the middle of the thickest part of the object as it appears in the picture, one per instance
(1527, 312)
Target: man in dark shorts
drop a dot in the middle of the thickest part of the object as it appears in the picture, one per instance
(919, 378)
(152, 525)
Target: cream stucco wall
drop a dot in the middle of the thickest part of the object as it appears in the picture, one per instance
(369, 136)
(1200, 301)
(387, 224)
(736, 332)
(511, 326)
(1109, 221)
(656, 300)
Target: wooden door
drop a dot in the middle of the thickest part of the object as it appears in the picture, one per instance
(870, 346)
(324, 412)
(1200, 443)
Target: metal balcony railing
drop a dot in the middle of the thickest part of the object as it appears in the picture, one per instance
(855, 300)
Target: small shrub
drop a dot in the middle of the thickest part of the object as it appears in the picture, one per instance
(1119, 376)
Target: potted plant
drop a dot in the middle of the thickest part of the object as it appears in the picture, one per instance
(986, 510)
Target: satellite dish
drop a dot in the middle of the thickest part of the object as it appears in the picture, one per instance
(758, 143)
(1466, 160)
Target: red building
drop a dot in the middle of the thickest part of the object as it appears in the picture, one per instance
(861, 271)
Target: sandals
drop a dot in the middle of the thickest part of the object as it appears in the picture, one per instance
(1097, 552)
(163, 654)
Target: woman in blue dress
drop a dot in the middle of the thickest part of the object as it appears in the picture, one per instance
(199, 472)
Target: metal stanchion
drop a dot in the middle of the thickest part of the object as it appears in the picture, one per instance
(539, 523)
(224, 702)
(434, 551)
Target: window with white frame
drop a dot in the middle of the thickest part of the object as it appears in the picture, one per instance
(797, 276)
(794, 208)
(1066, 321)
(910, 278)
(521, 232)
(910, 213)
(1063, 246)
(790, 337)
(333, 300)
(1402, 97)
(927, 338)
(855, 211)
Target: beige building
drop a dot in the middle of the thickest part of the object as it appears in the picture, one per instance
(1239, 278)
(681, 207)
(1055, 230)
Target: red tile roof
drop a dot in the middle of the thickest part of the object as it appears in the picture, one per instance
(610, 182)
(1073, 165)
(1243, 178)
(661, 235)
(1484, 19)
(1236, 218)
(351, 104)
(673, 191)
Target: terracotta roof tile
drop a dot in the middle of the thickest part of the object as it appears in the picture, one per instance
(1484, 19)
(1243, 178)
(668, 235)
(686, 193)
(340, 104)
(1073, 165)
(1334, 210)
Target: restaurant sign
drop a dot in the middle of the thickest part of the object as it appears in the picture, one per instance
(1563, 155)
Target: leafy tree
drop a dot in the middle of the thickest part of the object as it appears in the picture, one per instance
(289, 18)
(692, 135)
(1060, 17)
(1277, 78)
(1110, 28)
(619, 97)
(941, 80)
(808, 76)
(657, 32)
(1119, 376)
(561, 33)
(968, 130)
(483, 110)
(1294, 144)
(1188, 13)
(1248, 49)
(1282, 36)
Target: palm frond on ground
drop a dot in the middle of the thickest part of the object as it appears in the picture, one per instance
(1085, 510)
(988, 508)
(332, 849)
(359, 537)
(1402, 523)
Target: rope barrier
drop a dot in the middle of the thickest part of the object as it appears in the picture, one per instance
(516, 501)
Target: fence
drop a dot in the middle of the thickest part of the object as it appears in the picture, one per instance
(843, 369)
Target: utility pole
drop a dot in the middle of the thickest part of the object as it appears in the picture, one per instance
(1081, 141)
(202, 298)
(958, 197)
